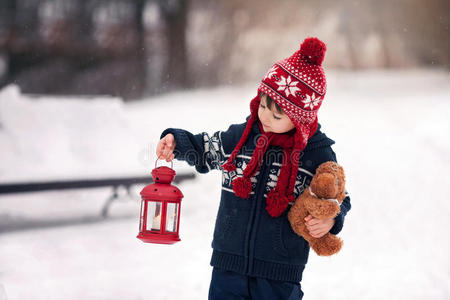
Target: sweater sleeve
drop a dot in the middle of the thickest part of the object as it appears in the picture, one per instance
(339, 219)
(203, 151)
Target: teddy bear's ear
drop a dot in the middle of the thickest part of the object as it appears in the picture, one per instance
(334, 165)
(328, 166)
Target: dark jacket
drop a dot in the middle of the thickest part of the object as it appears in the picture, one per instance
(247, 239)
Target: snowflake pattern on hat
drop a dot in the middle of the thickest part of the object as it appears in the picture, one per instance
(287, 85)
(311, 101)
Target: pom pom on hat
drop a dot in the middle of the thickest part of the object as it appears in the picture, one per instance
(242, 187)
(313, 50)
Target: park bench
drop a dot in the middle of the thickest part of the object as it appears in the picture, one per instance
(114, 182)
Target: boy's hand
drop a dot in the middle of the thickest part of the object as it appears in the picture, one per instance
(318, 228)
(165, 147)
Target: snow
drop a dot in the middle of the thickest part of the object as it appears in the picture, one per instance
(391, 132)
(85, 135)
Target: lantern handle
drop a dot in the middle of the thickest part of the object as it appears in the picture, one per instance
(171, 162)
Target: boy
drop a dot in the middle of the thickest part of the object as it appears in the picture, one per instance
(266, 164)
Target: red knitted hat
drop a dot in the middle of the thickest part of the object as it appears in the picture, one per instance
(297, 84)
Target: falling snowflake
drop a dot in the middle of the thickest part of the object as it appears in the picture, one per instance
(271, 72)
(311, 101)
(287, 85)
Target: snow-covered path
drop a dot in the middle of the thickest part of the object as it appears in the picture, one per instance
(391, 132)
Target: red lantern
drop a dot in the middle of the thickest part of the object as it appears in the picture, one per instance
(160, 209)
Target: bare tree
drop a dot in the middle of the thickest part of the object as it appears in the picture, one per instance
(175, 15)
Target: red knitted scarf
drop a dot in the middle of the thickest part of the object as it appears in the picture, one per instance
(278, 198)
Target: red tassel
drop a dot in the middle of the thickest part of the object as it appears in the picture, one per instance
(229, 166)
(291, 199)
(276, 203)
(242, 187)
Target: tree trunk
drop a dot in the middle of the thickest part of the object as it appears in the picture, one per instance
(175, 14)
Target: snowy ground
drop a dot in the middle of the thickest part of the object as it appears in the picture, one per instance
(392, 137)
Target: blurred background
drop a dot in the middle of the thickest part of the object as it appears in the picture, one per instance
(133, 49)
(87, 87)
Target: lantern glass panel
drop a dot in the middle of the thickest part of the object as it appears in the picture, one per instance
(172, 217)
(154, 215)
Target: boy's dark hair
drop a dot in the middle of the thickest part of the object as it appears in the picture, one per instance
(270, 102)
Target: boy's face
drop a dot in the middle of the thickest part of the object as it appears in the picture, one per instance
(272, 120)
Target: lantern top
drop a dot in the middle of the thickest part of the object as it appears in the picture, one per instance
(158, 192)
(162, 189)
(163, 174)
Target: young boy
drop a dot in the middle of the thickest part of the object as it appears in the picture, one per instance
(266, 164)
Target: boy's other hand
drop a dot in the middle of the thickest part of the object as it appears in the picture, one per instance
(317, 227)
(165, 147)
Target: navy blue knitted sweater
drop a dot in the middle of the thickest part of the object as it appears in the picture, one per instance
(246, 238)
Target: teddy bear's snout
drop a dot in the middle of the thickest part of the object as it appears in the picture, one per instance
(325, 185)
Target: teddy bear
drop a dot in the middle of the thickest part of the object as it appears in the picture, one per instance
(321, 200)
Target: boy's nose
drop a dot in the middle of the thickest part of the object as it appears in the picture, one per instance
(265, 117)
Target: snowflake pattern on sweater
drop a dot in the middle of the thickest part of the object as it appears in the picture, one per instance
(228, 177)
(215, 157)
(302, 181)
